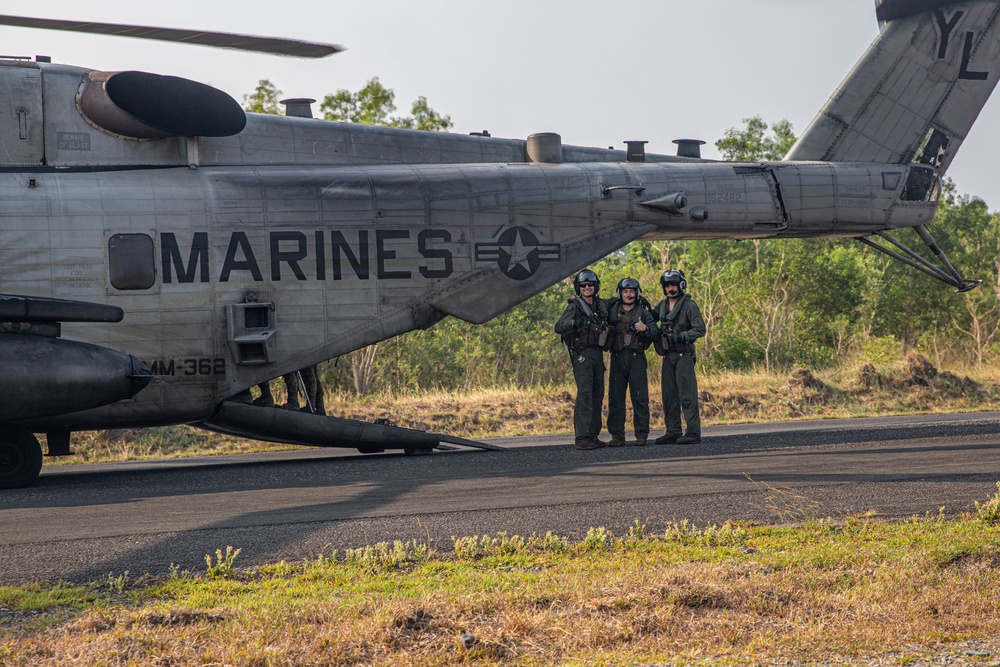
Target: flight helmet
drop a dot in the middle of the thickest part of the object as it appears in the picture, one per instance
(629, 283)
(673, 276)
(587, 276)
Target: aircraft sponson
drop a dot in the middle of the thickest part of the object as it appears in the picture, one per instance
(890, 10)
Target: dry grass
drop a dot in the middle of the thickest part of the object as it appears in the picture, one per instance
(912, 386)
(483, 413)
(860, 592)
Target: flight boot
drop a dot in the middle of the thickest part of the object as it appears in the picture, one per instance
(667, 438)
(589, 442)
(688, 440)
(617, 441)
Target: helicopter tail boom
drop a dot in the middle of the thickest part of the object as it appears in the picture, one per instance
(916, 92)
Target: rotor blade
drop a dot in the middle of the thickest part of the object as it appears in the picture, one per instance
(223, 40)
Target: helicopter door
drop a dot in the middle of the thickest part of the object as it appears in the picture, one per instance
(21, 137)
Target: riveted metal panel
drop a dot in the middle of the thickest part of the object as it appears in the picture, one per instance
(21, 123)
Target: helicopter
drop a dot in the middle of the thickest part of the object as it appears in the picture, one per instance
(162, 251)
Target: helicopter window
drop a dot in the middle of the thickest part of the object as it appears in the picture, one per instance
(890, 180)
(130, 260)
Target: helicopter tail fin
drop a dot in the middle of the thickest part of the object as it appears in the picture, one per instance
(916, 92)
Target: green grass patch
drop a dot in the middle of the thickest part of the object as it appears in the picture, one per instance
(731, 594)
(41, 597)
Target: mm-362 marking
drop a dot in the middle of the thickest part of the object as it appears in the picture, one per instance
(188, 367)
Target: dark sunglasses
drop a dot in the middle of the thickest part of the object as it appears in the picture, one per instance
(586, 284)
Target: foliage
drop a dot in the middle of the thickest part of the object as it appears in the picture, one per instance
(116, 583)
(751, 143)
(264, 99)
(223, 565)
(517, 348)
(989, 512)
(370, 106)
(423, 117)
(373, 104)
(385, 556)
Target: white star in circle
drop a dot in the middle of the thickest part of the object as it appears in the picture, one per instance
(518, 253)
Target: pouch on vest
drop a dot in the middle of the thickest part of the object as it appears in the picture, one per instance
(597, 327)
(596, 334)
(658, 346)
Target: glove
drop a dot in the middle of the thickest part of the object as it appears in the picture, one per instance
(675, 337)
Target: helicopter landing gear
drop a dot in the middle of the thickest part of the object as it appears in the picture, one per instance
(20, 457)
(948, 274)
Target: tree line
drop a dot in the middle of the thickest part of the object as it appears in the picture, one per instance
(774, 304)
(768, 303)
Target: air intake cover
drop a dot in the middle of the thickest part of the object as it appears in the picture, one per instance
(152, 106)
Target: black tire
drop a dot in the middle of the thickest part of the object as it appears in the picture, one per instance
(20, 457)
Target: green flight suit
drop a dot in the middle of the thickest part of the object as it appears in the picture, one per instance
(628, 368)
(580, 331)
(313, 386)
(678, 383)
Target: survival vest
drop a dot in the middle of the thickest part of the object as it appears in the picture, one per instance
(623, 333)
(667, 324)
(594, 331)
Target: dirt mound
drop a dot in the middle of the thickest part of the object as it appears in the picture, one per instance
(948, 381)
(870, 378)
(919, 371)
(802, 378)
(916, 372)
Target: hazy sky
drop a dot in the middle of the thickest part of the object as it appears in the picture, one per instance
(598, 73)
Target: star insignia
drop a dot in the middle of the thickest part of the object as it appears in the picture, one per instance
(517, 252)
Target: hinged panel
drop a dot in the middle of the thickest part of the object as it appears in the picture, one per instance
(21, 136)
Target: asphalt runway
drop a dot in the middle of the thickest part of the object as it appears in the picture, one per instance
(85, 522)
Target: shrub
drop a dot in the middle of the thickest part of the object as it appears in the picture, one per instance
(989, 512)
